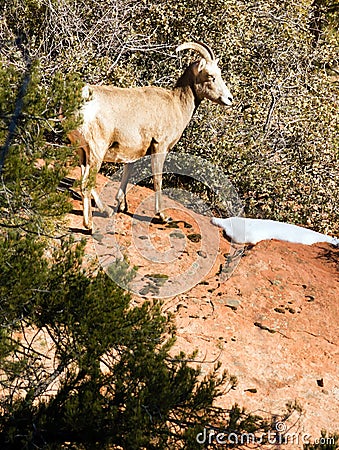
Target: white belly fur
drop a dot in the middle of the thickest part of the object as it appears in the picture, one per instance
(250, 231)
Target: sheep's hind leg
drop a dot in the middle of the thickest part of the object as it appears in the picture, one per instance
(86, 198)
(100, 205)
(121, 195)
(158, 160)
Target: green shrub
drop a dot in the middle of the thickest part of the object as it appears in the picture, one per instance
(325, 442)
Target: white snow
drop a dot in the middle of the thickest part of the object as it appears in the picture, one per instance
(243, 230)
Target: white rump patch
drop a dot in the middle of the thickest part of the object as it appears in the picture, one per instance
(89, 112)
(86, 93)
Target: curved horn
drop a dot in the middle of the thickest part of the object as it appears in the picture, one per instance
(201, 48)
(208, 49)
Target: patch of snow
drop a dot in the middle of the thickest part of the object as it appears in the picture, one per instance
(243, 230)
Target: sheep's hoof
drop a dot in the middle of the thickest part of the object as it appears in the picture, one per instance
(108, 212)
(88, 231)
(162, 218)
(88, 225)
(105, 210)
(122, 207)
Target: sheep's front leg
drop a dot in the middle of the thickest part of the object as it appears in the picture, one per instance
(158, 160)
(121, 195)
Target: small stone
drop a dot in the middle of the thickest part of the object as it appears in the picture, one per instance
(153, 289)
(177, 234)
(194, 237)
(144, 291)
(232, 303)
(187, 225)
(98, 236)
(172, 225)
(320, 382)
(180, 306)
(264, 327)
(251, 390)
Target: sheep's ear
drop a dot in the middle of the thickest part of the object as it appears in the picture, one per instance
(217, 61)
(202, 64)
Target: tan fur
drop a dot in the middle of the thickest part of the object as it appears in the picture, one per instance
(124, 124)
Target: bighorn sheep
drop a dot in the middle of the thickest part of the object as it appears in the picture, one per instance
(124, 124)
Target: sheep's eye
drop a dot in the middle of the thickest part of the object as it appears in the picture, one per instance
(212, 79)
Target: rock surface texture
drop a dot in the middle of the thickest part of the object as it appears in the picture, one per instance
(272, 321)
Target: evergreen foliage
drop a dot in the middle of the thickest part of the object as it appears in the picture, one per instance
(81, 367)
(278, 144)
(33, 146)
(325, 442)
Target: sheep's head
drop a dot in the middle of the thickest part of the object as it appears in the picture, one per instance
(208, 82)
